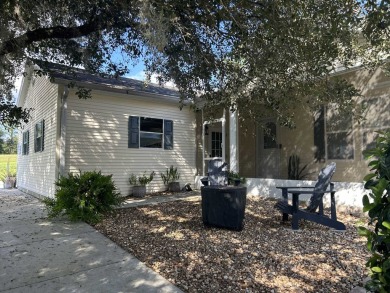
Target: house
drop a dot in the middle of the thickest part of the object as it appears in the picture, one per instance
(126, 127)
(122, 130)
(319, 138)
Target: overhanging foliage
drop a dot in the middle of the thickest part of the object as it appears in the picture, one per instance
(254, 56)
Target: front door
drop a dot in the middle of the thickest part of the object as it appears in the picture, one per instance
(213, 142)
(268, 151)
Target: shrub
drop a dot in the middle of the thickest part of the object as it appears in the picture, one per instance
(83, 196)
(133, 179)
(143, 180)
(234, 175)
(170, 175)
(377, 204)
(295, 172)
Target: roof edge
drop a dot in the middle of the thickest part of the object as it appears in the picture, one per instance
(26, 80)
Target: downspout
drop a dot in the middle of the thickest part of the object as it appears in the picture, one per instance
(64, 108)
(203, 156)
(223, 120)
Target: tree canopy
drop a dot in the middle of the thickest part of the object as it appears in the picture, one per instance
(251, 55)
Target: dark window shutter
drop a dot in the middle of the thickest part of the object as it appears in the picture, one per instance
(35, 138)
(28, 142)
(133, 132)
(43, 136)
(168, 134)
(319, 135)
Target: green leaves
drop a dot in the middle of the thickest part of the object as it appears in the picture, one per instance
(171, 175)
(259, 58)
(376, 269)
(368, 177)
(386, 224)
(84, 196)
(142, 180)
(377, 204)
(362, 231)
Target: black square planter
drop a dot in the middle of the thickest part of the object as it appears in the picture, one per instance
(223, 206)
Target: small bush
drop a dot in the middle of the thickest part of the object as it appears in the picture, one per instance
(142, 180)
(295, 172)
(84, 196)
(377, 204)
(234, 175)
(170, 175)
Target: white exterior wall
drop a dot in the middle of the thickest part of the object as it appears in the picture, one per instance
(36, 172)
(97, 138)
(348, 194)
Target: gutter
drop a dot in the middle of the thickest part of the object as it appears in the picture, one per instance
(122, 90)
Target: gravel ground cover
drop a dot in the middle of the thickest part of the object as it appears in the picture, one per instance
(266, 256)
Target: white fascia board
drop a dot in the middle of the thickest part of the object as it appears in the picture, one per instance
(123, 91)
(26, 80)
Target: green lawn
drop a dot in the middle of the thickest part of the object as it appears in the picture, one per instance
(4, 161)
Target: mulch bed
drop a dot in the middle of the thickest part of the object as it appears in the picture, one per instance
(266, 256)
(159, 194)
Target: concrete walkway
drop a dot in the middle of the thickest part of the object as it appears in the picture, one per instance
(40, 255)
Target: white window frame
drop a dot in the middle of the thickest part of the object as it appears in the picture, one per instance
(211, 143)
(141, 131)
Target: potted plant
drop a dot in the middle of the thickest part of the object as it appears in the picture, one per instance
(295, 171)
(170, 178)
(10, 178)
(235, 178)
(139, 183)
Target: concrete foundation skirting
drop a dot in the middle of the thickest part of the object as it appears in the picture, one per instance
(348, 194)
(29, 192)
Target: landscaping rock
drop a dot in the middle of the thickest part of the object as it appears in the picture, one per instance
(266, 255)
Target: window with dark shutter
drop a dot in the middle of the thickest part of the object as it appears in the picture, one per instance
(168, 134)
(151, 132)
(26, 138)
(148, 132)
(39, 135)
(133, 132)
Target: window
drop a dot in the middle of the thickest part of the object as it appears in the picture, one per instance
(339, 139)
(151, 133)
(147, 132)
(216, 144)
(26, 142)
(39, 136)
(376, 119)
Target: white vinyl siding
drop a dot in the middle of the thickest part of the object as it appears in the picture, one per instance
(97, 139)
(36, 171)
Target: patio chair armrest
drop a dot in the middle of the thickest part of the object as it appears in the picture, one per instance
(282, 187)
(309, 192)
